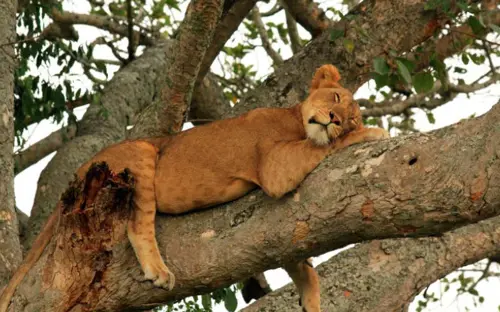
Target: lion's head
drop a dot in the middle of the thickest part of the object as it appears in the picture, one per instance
(330, 110)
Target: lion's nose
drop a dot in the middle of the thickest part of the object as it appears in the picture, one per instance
(334, 119)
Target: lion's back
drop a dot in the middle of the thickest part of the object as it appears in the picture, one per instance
(132, 154)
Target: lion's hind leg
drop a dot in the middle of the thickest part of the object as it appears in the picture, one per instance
(306, 280)
(141, 227)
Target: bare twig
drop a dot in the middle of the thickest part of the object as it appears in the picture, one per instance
(293, 32)
(266, 44)
(420, 100)
(472, 35)
(130, 25)
(275, 9)
(102, 22)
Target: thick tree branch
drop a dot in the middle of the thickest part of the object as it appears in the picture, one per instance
(42, 148)
(208, 100)
(225, 28)
(194, 37)
(385, 275)
(407, 186)
(308, 14)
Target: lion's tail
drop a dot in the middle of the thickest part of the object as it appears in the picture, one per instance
(31, 258)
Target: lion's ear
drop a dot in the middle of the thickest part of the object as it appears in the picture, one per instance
(327, 76)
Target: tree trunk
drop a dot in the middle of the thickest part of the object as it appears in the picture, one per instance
(10, 249)
(423, 184)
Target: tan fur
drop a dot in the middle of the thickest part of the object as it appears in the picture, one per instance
(271, 148)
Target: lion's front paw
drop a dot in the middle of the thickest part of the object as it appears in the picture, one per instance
(375, 134)
(160, 275)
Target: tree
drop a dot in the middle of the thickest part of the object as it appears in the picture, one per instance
(398, 194)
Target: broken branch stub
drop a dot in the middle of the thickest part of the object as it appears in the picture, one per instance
(94, 215)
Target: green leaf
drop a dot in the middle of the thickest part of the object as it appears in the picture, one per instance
(380, 80)
(423, 82)
(481, 299)
(465, 58)
(336, 33)
(432, 120)
(476, 26)
(380, 66)
(409, 64)
(206, 302)
(349, 45)
(230, 301)
(439, 66)
(463, 6)
(473, 291)
(403, 71)
(477, 59)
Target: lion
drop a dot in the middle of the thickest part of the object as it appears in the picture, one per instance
(270, 148)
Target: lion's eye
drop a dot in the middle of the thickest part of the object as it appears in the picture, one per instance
(336, 97)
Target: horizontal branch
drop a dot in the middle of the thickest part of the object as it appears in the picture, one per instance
(425, 100)
(42, 148)
(385, 275)
(102, 22)
(407, 186)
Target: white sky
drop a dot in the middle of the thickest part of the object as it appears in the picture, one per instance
(461, 107)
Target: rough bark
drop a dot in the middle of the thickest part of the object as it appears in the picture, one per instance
(385, 275)
(209, 102)
(10, 251)
(422, 184)
(194, 38)
(308, 14)
(225, 29)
